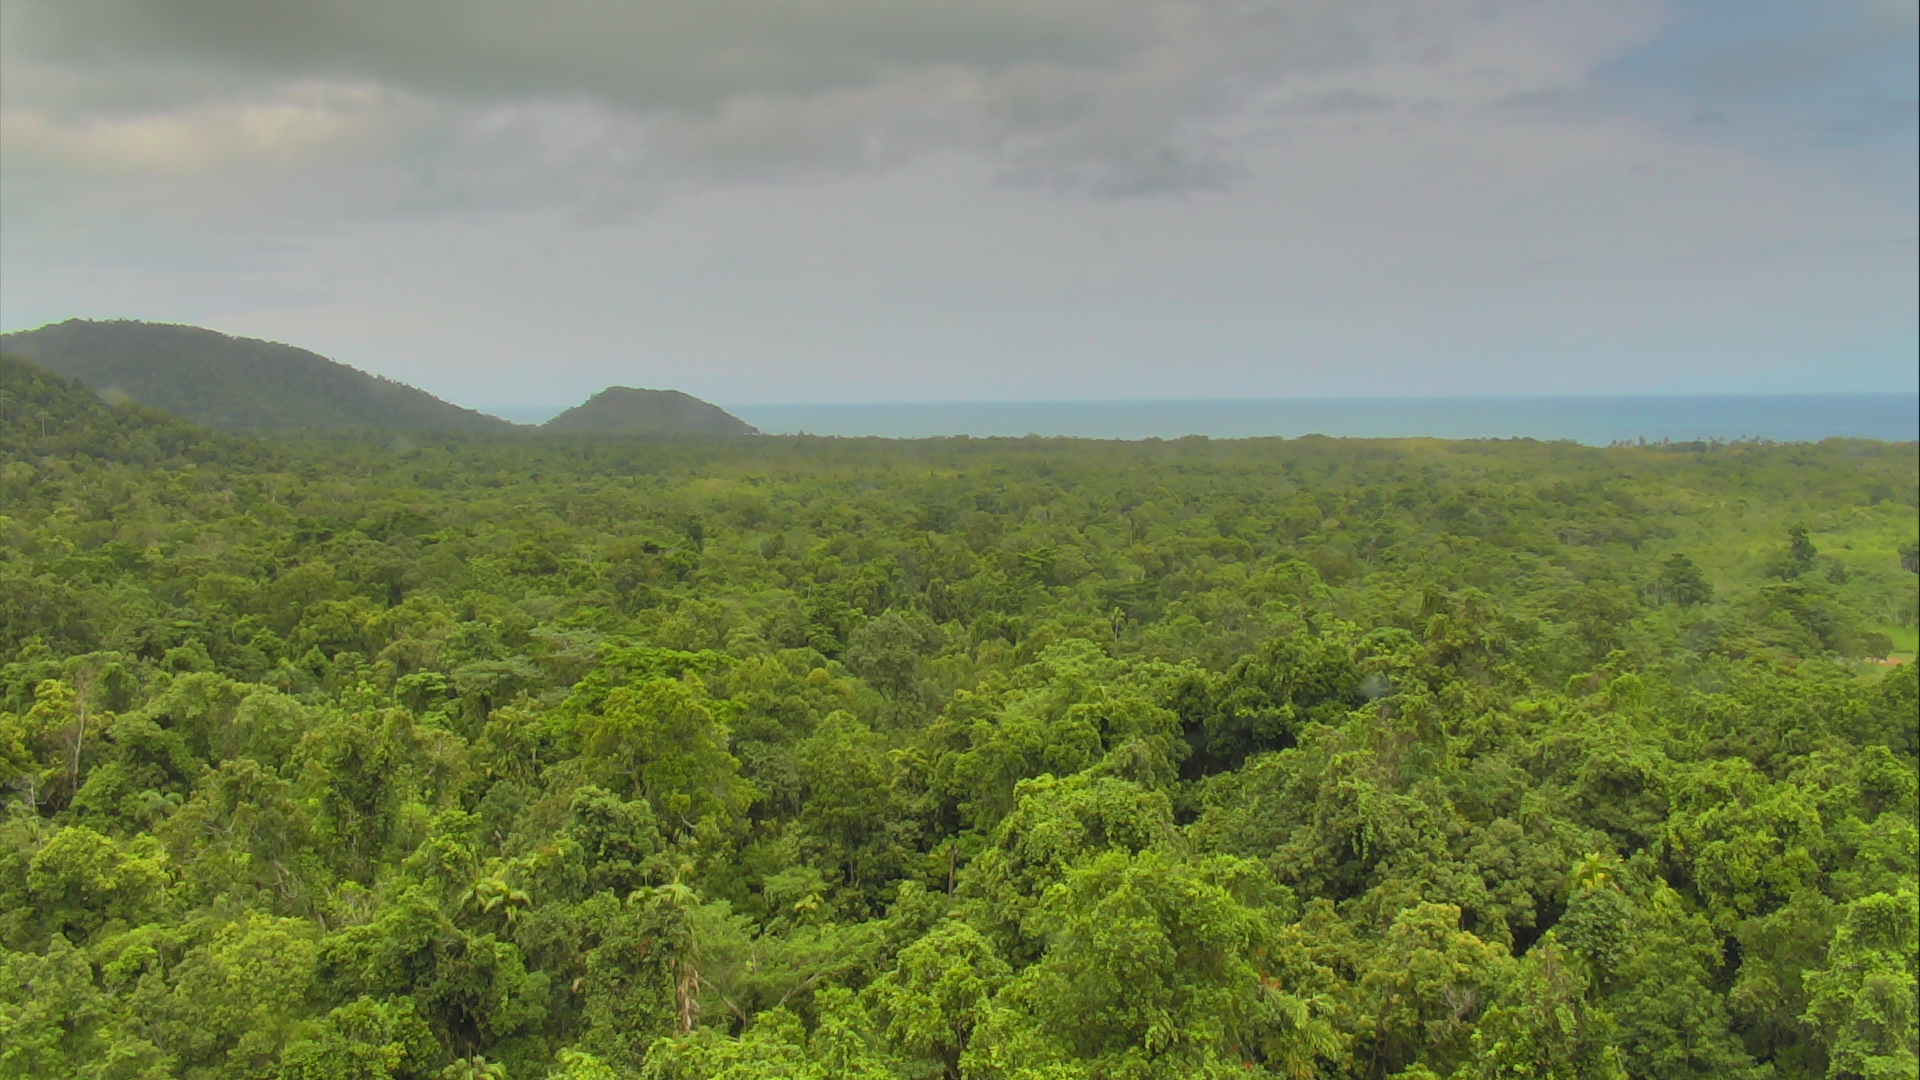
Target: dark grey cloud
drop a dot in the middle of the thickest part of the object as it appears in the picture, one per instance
(674, 56)
(1111, 98)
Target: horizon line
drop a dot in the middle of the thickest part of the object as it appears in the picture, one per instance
(1254, 398)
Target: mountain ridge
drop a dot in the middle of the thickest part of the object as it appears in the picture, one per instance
(235, 383)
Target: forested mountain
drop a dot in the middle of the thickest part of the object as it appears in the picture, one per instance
(960, 759)
(623, 410)
(235, 383)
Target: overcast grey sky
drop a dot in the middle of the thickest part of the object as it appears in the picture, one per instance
(866, 200)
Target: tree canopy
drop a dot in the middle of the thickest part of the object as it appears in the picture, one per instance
(547, 756)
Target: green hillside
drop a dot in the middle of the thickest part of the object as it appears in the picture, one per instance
(44, 416)
(236, 383)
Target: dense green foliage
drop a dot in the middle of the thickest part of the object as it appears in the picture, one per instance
(233, 383)
(983, 759)
(622, 410)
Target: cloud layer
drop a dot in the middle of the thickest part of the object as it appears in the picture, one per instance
(1285, 189)
(1114, 98)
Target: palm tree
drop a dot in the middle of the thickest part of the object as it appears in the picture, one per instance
(493, 892)
(474, 1068)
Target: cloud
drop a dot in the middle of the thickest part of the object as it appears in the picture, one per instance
(292, 123)
(1895, 14)
(849, 199)
(603, 107)
(675, 56)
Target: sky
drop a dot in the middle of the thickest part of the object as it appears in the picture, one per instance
(767, 201)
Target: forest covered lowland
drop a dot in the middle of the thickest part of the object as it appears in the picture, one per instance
(998, 759)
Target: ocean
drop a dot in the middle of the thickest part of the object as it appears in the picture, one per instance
(1597, 421)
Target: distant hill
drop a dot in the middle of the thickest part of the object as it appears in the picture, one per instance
(622, 410)
(235, 383)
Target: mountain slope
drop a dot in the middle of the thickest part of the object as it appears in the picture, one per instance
(44, 414)
(235, 383)
(623, 410)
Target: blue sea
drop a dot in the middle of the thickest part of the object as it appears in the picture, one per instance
(1596, 421)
